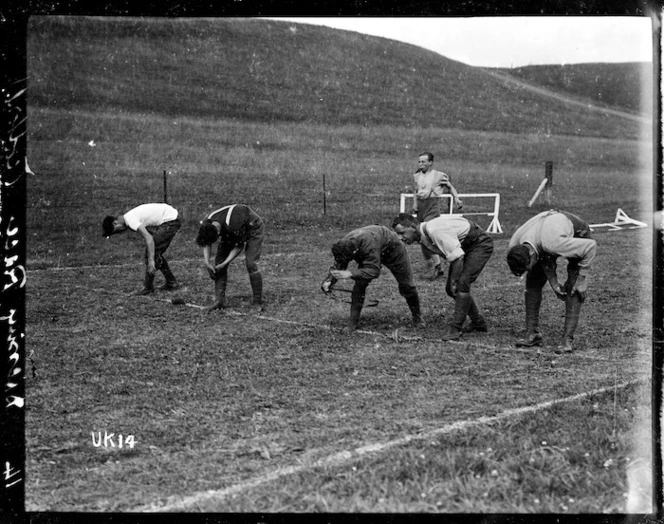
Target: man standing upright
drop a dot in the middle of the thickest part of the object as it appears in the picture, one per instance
(429, 186)
(371, 247)
(237, 227)
(534, 248)
(467, 247)
(157, 223)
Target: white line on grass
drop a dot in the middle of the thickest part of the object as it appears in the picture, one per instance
(178, 502)
(395, 336)
(226, 312)
(512, 283)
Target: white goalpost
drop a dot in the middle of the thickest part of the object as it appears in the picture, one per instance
(494, 225)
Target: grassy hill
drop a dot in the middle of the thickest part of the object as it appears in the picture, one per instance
(270, 71)
(609, 85)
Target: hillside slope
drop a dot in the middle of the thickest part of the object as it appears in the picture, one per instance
(617, 86)
(266, 71)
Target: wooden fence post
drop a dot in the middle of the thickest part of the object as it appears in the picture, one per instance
(165, 189)
(548, 174)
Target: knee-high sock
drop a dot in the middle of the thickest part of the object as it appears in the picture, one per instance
(572, 313)
(462, 304)
(168, 274)
(256, 281)
(220, 289)
(533, 303)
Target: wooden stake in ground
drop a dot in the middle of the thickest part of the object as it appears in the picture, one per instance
(324, 196)
(544, 185)
(165, 189)
(548, 175)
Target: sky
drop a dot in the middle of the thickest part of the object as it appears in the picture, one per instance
(513, 41)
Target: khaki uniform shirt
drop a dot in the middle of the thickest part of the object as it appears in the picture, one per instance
(371, 241)
(552, 233)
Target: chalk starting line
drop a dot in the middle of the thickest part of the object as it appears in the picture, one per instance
(394, 335)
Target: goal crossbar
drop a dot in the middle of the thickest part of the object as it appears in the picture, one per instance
(494, 226)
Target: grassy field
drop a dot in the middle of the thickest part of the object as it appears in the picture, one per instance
(234, 412)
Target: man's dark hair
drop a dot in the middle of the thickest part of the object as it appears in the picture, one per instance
(207, 234)
(343, 251)
(518, 258)
(107, 226)
(405, 220)
(428, 155)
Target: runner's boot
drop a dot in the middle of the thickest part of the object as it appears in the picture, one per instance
(171, 282)
(413, 302)
(572, 313)
(148, 285)
(477, 322)
(433, 270)
(429, 269)
(219, 293)
(355, 310)
(533, 336)
(356, 304)
(461, 307)
(256, 281)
